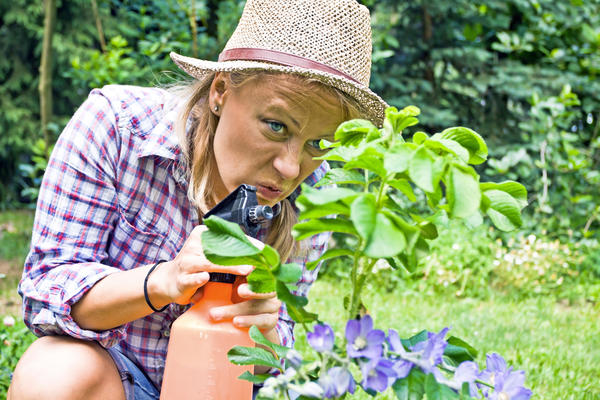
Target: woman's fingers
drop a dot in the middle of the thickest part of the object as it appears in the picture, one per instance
(246, 308)
(264, 322)
(194, 280)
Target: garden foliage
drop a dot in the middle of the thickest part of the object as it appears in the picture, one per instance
(365, 198)
(493, 65)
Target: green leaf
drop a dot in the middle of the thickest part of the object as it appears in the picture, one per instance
(465, 392)
(503, 209)
(326, 195)
(396, 159)
(463, 193)
(226, 238)
(331, 253)
(311, 227)
(515, 189)
(338, 176)
(256, 379)
(240, 355)
(404, 187)
(411, 341)
(404, 226)
(228, 261)
(261, 281)
(459, 350)
(420, 169)
(258, 337)
(419, 137)
(271, 255)
(308, 210)
(437, 391)
(428, 228)
(341, 153)
(470, 140)
(399, 120)
(288, 273)
(294, 304)
(387, 239)
(410, 388)
(448, 146)
(474, 220)
(371, 160)
(355, 131)
(362, 214)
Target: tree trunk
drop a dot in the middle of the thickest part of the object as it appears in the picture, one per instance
(99, 26)
(427, 36)
(45, 87)
(194, 27)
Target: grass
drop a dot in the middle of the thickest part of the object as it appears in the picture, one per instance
(558, 346)
(15, 234)
(555, 342)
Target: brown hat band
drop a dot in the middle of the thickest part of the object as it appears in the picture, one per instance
(279, 57)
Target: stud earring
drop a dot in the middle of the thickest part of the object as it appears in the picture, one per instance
(216, 108)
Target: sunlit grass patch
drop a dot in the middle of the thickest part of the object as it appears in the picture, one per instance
(557, 346)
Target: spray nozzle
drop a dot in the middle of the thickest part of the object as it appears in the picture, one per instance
(241, 206)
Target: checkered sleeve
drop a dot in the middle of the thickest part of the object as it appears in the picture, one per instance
(310, 249)
(76, 211)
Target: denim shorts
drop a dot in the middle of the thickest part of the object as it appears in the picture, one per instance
(136, 383)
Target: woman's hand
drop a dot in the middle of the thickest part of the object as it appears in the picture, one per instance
(260, 309)
(178, 281)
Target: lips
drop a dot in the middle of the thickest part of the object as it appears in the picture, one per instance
(269, 192)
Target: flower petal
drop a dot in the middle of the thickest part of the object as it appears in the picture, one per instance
(352, 330)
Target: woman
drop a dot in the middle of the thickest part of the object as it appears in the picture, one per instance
(135, 170)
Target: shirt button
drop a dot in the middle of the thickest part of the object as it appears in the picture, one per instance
(166, 332)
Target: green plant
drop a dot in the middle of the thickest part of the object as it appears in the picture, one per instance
(559, 163)
(33, 172)
(460, 262)
(15, 338)
(378, 167)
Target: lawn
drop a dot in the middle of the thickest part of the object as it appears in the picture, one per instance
(557, 343)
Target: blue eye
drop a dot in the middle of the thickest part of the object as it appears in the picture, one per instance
(315, 144)
(276, 126)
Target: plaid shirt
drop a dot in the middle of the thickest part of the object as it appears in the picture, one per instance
(114, 197)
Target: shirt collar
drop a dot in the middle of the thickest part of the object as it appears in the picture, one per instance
(162, 140)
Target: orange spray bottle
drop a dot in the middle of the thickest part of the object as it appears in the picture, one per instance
(197, 366)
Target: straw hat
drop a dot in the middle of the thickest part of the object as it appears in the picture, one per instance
(329, 40)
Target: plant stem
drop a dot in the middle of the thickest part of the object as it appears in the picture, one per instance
(358, 286)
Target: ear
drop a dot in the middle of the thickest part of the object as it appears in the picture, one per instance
(218, 93)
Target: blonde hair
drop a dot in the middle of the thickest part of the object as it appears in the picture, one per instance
(196, 129)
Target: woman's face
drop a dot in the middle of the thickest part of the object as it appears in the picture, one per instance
(267, 134)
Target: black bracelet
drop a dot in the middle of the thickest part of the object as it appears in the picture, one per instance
(146, 289)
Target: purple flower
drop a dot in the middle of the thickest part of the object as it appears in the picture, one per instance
(336, 382)
(508, 384)
(432, 350)
(378, 374)
(307, 389)
(467, 372)
(363, 340)
(294, 358)
(321, 339)
(401, 366)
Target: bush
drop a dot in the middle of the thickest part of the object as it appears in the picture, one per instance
(477, 263)
(15, 338)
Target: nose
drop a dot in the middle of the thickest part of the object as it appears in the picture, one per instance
(287, 162)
